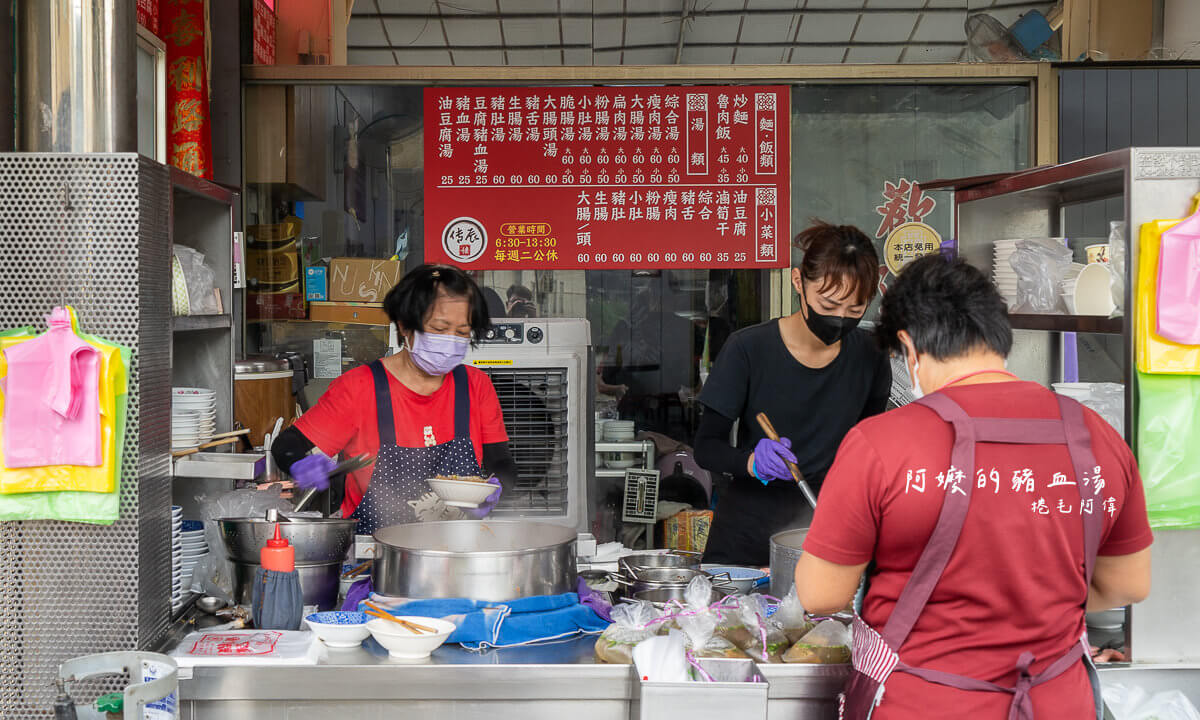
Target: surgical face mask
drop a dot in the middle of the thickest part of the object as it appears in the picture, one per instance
(828, 328)
(438, 354)
(917, 392)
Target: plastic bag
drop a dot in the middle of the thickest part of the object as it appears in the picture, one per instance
(632, 623)
(752, 632)
(199, 279)
(662, 658)
(1156, 354)
(101, 508)
(699, 623)
(1134, 703)
(1168, 448)
(247, 647)
(1116, 262)
(791, 617)
(1040, 265)
(1106, 399)
(1179, 281)
(214, 575)
(827, 644)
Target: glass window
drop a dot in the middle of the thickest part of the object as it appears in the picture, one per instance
(336, 171)
(848, 141)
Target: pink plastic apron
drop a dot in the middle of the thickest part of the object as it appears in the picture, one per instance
(876, 656)
(52, 405)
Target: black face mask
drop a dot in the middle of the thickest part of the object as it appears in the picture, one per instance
(828, 328)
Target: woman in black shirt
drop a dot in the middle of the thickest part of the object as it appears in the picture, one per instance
(814, 373)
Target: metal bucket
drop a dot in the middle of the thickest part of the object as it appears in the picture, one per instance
(321, 545)
(785, 553)
(489, 560)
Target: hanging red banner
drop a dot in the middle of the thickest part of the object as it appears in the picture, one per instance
(263, 34)
(147, 15)
(607, 177)
(189, 144)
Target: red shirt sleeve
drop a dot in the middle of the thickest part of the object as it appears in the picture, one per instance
(485, 402)
(846, 523)
(333, 422)
(1130, 531)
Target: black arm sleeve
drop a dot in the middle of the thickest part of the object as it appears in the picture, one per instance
(290, 446)
(498, 461)
(881, 388)
(713, 451)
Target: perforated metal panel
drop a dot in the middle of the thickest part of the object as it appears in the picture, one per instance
(91, 231)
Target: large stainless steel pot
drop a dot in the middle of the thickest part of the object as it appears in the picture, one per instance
(631, 564)
(321, 545)
(490, 560)
(785, 553)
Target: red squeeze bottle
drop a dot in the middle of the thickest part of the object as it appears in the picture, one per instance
(278, 555)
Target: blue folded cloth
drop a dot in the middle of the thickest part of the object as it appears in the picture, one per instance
(480, 625)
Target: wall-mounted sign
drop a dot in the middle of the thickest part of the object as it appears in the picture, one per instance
(607, 177)
(909, 242)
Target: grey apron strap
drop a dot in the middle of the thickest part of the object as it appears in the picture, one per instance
(949, 525)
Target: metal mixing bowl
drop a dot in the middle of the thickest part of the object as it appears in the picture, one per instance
(317, 540)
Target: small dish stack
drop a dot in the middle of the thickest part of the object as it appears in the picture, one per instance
(1087, 290)
(619, 431)
(1002, 272)
(195, 549)
(193, 417)
(176, 558)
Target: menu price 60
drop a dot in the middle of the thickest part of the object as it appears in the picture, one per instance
(652, 259)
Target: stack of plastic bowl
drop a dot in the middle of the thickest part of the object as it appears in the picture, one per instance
(1002, 272)
(176, 558)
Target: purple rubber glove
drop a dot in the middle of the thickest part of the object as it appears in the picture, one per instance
(487, 505)
(771, 458)
(593, 599)
(358, 592)
(312, 471)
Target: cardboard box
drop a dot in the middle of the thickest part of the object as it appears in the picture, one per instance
(315, 286)
(687, 530)
(362, 280)
(348, 312)
(275, 306)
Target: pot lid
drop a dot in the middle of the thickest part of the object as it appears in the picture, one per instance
(259, 364)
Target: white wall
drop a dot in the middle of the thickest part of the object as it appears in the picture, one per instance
(1181, 29)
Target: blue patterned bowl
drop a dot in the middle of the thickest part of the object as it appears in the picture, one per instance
(339, 628)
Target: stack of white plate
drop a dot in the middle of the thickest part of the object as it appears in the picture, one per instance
(176, 558)
(619, 431)
(195, 549)
(193, 417)
(1002, 272)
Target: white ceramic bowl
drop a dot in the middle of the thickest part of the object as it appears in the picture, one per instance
(461, 493)
(402, 643)
(339, 628)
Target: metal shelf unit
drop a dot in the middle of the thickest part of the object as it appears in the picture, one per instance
(1151, 183)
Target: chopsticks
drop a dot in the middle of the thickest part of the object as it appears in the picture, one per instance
(376, 611)
(769, 430)
(357, 571)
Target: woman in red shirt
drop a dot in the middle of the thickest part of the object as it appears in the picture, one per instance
(420, 412)
(995, 513)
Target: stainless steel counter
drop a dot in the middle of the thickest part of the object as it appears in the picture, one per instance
(545, 682)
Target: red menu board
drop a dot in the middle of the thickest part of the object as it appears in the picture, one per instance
(607, 177)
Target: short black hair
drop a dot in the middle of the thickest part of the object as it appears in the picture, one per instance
(519, 291)
(839, 257)
(411, 300)
(949, 308)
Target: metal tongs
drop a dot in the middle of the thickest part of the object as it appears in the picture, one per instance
(357, 462)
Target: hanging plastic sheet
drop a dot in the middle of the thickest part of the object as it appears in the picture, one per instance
(1178, 291)
(1155, 353)
(99, 507)
(1168, 448)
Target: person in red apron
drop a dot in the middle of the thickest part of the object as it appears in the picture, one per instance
(995, 513)
(420, 412)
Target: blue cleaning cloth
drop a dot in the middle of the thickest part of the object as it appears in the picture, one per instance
(524, 621)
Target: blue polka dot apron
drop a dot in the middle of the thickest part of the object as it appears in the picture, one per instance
(400, 472)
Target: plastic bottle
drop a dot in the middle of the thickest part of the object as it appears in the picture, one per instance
(278, 555)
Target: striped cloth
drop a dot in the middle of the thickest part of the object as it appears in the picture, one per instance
(871, 655)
